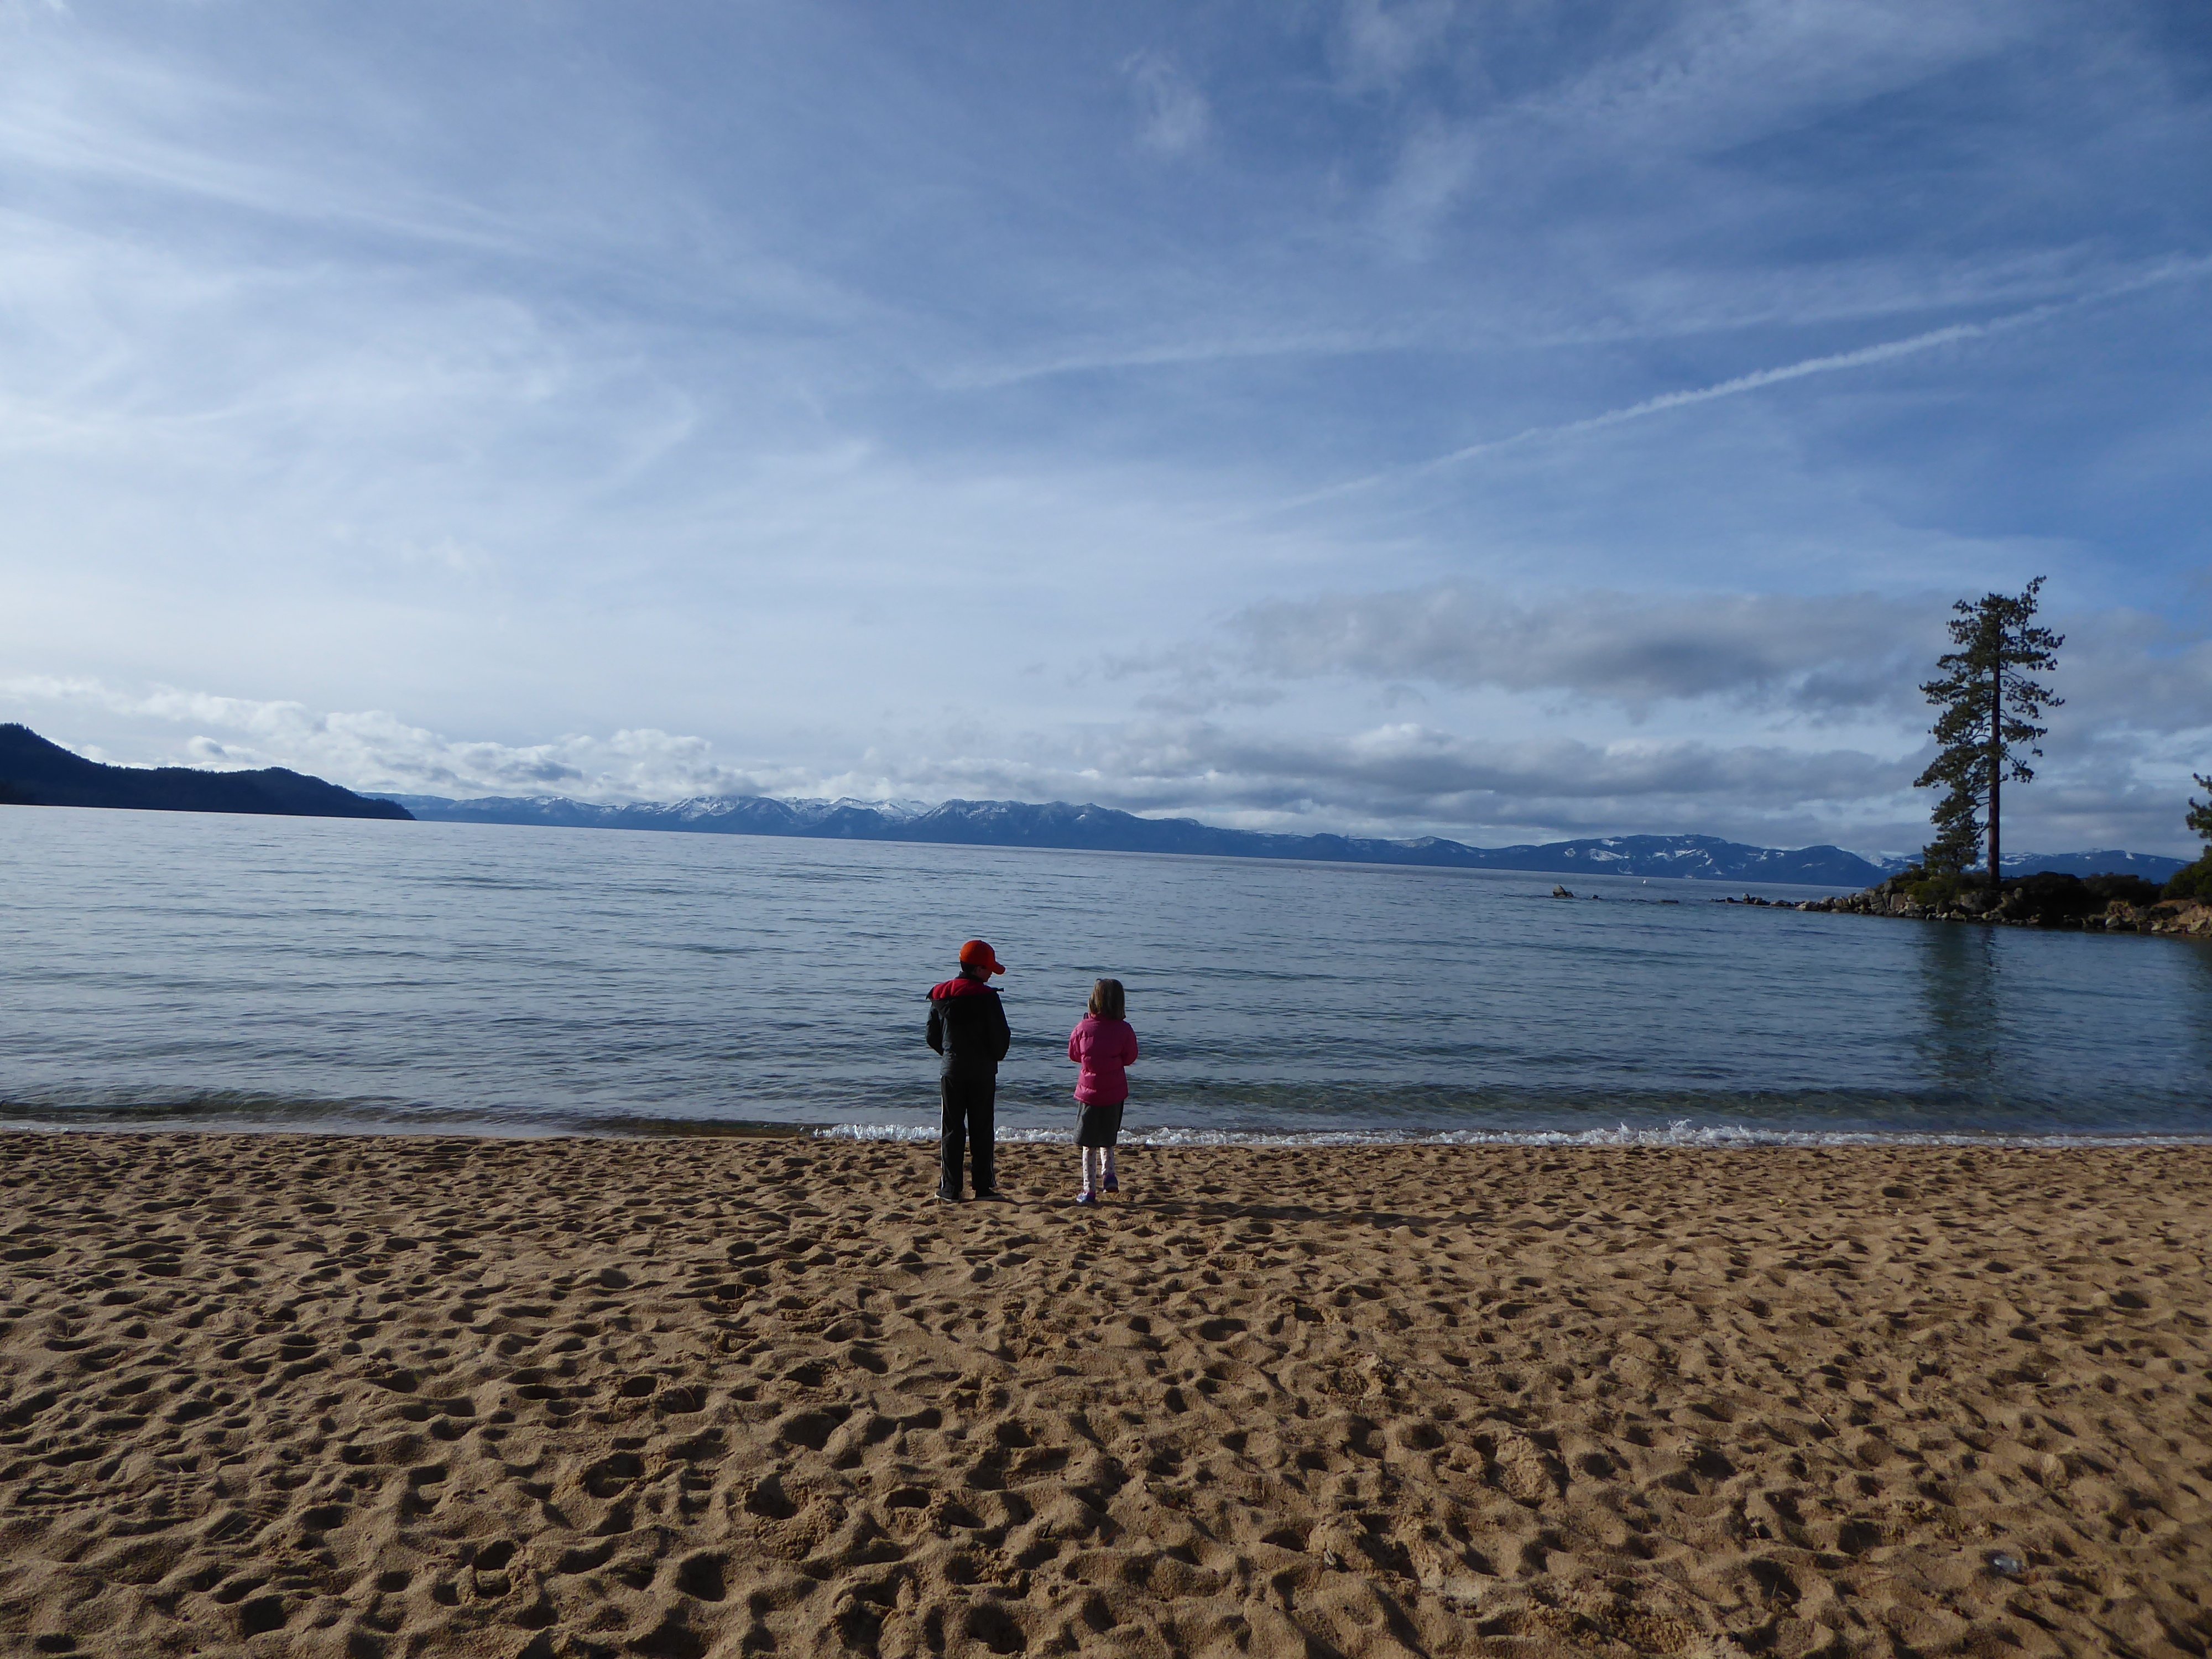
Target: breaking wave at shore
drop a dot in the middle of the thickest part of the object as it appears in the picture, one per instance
(228, 1113)
(1685, 1135)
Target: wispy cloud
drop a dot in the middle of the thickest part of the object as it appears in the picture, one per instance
(2164, 271)
(799, 397)
(2103, 783)
(1551, 103)
(1380, 44)
(1172, 113)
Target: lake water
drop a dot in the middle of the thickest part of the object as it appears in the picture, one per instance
(224, 972)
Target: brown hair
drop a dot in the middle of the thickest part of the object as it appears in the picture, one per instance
(1107, 1000)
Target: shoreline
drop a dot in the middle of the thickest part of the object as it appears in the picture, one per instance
(1893, 898)
(398, 1396)
(1680, 1134)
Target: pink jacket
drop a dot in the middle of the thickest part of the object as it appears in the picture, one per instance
(1101, 1047)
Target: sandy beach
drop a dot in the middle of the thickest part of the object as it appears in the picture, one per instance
(310, 1395)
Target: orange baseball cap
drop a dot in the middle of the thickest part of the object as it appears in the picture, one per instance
(977, 954)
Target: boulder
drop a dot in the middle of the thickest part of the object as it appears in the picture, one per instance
(2192, 917)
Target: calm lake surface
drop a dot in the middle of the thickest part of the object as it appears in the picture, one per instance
(278, 973)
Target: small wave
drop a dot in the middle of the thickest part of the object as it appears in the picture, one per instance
(919, 1132)
(233, 1112)
(223, 1111)
(1683, 1133)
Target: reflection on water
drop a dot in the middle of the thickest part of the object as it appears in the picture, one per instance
(276, 971)
(1963, 1026)
(2195, 1029)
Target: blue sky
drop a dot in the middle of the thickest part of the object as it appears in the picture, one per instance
(1501, 420)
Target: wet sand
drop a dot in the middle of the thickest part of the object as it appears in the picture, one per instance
(309, 1395)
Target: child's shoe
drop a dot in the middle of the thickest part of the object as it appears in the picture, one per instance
(1086, 1198)
(1113, 1182)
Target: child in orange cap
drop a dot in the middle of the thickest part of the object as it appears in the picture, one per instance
(968, 1027)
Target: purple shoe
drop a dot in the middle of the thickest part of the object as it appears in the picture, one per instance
(1112, 1183)
(1086, 1198)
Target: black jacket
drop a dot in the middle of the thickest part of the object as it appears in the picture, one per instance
(968, 1027)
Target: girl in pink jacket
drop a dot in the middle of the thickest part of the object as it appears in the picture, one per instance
(1102, 1044)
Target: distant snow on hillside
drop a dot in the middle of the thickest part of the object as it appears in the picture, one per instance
(1093, 827)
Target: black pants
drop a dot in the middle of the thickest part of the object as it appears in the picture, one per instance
(970, 1109)
(1099, 1126)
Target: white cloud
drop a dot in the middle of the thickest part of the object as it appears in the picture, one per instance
(808, 356)
(372, 750)
(1723, 73)
(1384, 772)
(1813, 653)
(1172, 115)
(1435, 168)
(1407, 769)
(1381, 43)
(1395, 778)
(1646, 102)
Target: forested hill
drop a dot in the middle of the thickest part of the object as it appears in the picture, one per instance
(1101, 828)
(36, 773)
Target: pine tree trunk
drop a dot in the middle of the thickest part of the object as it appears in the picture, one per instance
(1997, 776)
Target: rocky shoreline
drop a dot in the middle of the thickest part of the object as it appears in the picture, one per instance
(2021, 905)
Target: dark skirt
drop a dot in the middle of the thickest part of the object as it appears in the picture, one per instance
(1099, 1126)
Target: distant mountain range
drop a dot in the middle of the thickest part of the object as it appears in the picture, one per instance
(1101, 828)
(36, 773)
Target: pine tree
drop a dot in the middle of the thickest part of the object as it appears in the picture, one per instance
(1989, 705)
(2194, 881)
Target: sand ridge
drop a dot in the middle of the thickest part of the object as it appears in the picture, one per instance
(388, 1397)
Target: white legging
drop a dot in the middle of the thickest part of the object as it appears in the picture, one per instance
(1097, 1166)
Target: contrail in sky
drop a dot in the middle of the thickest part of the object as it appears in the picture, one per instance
(1751, 382)
(2172, 270)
